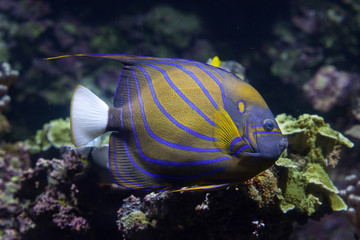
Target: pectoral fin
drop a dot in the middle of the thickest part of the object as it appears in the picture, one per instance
(226, 131)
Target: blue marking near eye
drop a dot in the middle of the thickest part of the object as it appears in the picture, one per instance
(241, 105)
(247, 132)
(262, 125)
(265, 132)
(235, 141)
(241, 149)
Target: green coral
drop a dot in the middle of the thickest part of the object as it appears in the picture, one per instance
(263, 189)
(56, 133)
(136, 218)
(313, 146)
(310, 136)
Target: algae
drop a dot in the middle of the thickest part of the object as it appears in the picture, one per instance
(313, 146)
(56, 133)
(136, 218)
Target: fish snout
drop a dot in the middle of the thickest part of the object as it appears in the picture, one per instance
(283, 143)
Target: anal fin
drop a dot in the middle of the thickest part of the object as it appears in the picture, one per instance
(125, 168)
(203, 188)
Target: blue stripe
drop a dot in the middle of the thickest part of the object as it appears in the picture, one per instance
(262, 125)
(173, 120)
(247, 132)
(161, 140)
(217, 81)
(264, 132)
(201, 66)
(182, 95)
(117, 88)
(116, 168)
(235, 141)
(115, 163)
(121, 112)
(241, 149)
(111, 175)
(170, 177)
(121, 115)
(164, 162)
(193, 76)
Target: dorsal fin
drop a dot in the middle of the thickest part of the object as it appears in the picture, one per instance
(134, 67)
(126, 59)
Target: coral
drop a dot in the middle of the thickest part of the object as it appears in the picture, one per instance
(50, 195)
(351, 195)
(330, 87)
(263, 189)
(310, 136)
(291, 57)
(313, 146)
(63, 210)
(131, 219)
(7, 78)
(46, 191)
(223, 214)
(56, 134)
(14, 159)
(316, 50)
(313, 38)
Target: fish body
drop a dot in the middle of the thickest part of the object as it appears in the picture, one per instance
(178, 123)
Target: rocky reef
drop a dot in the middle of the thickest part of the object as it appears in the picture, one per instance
(313, 147)
(296, 189)
(55, 134)
(62, 194)
(351, 195)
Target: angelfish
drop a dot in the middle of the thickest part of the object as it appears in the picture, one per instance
(178, 123)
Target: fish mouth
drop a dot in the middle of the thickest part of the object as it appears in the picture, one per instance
(252, 154)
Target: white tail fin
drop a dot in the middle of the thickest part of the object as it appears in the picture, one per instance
(88, 114)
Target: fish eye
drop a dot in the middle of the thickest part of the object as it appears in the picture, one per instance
(268, 125)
